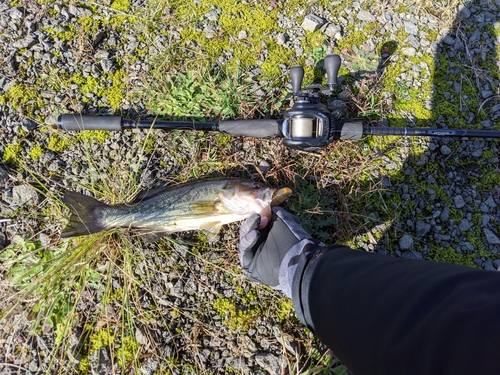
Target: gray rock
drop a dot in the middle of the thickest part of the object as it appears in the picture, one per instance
(26, 42)
(4, 177)
(106, 64)
(141, 338)
(268, 362)
(486, 124)
(149, 366)
(410, 28)
(464, 225)
(364, 15)
(486, 94)
(312, 22)
(264, 166)
(464, 12)
(386, 182)
(282, 38)
(491, 237)
(459, 201)
(445, 150)
(488, 266)
(100, 361)
(445, 214)
(16, 13)
(212, 16)
(490, 202)
(409, 51)
(406, 242)
(496, 264)
(20, 195)
(486, 220)
(334, 31)
(209, 31)
(422, 228)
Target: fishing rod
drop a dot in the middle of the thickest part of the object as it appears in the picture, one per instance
(307, 126)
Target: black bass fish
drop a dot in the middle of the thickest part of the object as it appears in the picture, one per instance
(198, 205)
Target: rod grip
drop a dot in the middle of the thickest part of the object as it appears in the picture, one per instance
(264, 128)
(350, 130)
(80, 122)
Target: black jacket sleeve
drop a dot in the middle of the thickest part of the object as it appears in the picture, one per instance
(390, 316)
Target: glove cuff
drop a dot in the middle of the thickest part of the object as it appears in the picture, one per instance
(289, 263)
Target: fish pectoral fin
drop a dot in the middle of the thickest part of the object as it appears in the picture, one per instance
(211, 227)
(203, 207)
(212, 232)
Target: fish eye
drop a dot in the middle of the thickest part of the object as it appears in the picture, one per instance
(256, 186)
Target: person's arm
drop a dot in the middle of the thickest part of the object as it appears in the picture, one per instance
(381, 315)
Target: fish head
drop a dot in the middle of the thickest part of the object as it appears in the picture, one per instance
(247, 197)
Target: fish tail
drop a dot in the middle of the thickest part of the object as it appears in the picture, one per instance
(86, 215)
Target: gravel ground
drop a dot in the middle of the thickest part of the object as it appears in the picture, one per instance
(443, 194)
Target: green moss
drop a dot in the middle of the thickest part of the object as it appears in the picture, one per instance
(401, 8)
(149, 143)
(127, 351)
(23, 96)
(84, 365)
(490, 179)
(58, 143)
(78, 79)
(449, 255)
(90, 85)
(122, 5)
(36, 152)
(66, 34)
(12, 153)
(285, 309)
(103, 338)
(236, 318)
(487, 154)
(359, 37)
(90, 24)
(116, 92)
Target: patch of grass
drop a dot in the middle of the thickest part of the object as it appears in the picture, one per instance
(205, 95)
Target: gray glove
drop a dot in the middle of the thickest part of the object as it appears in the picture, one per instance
(269, 256)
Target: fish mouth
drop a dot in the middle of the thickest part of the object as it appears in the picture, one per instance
(270, 198)
(280, 195)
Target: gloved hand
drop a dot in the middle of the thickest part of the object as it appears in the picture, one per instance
(269, 256)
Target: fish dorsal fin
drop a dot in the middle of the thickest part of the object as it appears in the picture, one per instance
(150, 192)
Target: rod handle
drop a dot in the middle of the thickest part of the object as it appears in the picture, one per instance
(349, 130)
(264, 128)
(79, 122)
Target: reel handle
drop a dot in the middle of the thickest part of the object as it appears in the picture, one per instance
(296, 76)
(332, 66)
